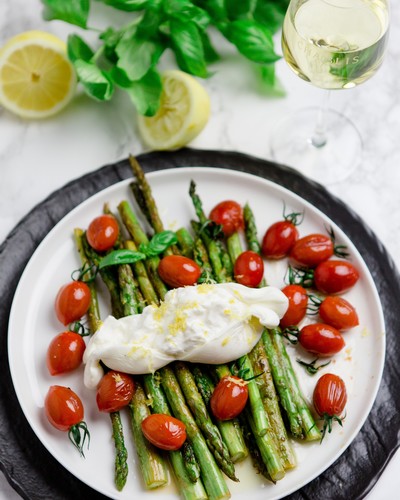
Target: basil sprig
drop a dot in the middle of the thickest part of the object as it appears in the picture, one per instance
(158, 244)
(128, 56)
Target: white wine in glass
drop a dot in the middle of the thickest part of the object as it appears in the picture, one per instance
(332, 44)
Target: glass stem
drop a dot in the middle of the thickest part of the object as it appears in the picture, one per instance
(319, 139)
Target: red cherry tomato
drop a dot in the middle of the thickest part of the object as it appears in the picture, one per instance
(65, 352)
(164, 431)
(115, 391)
(229, 214)
(321, 339)
(330, 395)
(330, 398)
(249, 269)
(338, 312)
(229, 398)
(102, 232)
(335, 276)
(312, 249)
(72, 301)
(63, 407)
(279, 239)
(177, 270)
(297, 308)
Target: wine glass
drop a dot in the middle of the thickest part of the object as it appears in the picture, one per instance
(332, 44)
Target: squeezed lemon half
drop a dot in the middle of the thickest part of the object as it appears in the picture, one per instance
(36, 78)
(183, 113)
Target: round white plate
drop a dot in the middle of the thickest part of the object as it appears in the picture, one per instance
(33, 324)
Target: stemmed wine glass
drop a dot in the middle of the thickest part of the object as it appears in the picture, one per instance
(332, 44)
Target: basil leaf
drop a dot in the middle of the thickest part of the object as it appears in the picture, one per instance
(111, 38)
(78, 49)
(96, 82)
(149, 24)
(271, 84)
(253, 40)
(271, 13)
(71, 11)
(185, 11)
(123, 256)
(216, 9)
(127, 5)
(210, 54)
(144, 93)
(159, 243)
(242, 9)
(188, 47)
(137, 56)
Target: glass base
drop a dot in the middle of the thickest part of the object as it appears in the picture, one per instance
(327, 162)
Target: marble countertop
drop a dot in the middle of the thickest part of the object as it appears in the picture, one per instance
(37, 158)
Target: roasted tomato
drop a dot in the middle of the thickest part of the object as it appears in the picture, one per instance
(164, 431)
(335, 276)
(321, 339)
(63, 407)
(65, 352)
(330, 398)
(64, 410)
(72, 301)
(279, 239)
(312, 249)
(229, 397)
(115, 391)
(297, 308)
(338, 312)
(249, 269)
(102, 232)
(229, 214)
(177, 270)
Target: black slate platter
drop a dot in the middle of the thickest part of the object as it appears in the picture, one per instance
(34, 473)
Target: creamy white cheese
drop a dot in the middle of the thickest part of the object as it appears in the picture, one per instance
(203, 323)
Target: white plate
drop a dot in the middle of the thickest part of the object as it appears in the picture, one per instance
(33, 324)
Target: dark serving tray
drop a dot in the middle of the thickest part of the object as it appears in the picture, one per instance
(34, 473)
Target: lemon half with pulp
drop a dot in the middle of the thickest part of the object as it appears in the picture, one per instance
(183, 113)
(36, 77)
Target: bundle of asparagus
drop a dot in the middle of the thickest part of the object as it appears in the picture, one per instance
(183, 390)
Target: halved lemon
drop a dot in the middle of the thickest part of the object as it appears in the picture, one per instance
(36, 77)
(183, 113)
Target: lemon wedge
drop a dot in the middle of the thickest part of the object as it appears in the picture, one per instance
(36, 77)
(183, 113)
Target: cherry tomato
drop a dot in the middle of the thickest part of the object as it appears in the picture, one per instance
(102, 232)
(330, 398)
(249, 269)
(64, 410)
(312, 249)
(297, 308)
(330, 395)
(279, 239)
(229, 397)
(335, 276)
(65, 352)
(164, 431)
(321, 339)
(115, 391)
(63, 407)
(72, 301)
(229, 214)
(177, 270)
(338, 312)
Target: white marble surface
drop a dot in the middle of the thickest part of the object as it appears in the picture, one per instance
(38, 157)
